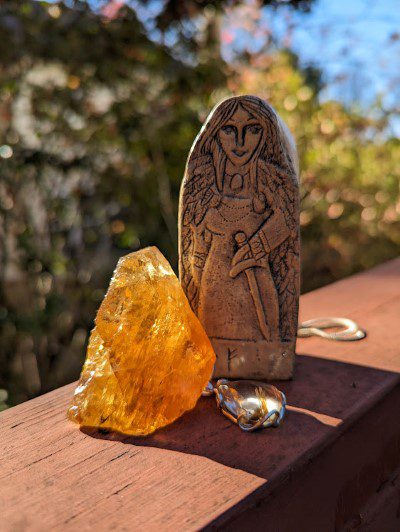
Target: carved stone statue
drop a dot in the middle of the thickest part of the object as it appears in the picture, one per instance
(239, 238)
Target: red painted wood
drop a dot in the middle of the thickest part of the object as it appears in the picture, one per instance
(203, 471)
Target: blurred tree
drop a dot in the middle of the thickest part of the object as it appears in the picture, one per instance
(176, 10)
(97, 121)
(350, 169)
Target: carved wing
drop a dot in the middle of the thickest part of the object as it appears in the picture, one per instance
(281, 190)
(197, 194)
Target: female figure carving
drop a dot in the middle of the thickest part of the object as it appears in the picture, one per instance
(239, 238)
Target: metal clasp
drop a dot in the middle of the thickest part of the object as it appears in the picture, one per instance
(251, 405)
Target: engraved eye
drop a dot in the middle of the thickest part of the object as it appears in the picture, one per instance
(255, 129)
(228, 130)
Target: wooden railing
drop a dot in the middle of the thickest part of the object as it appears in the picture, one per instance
(331, 465)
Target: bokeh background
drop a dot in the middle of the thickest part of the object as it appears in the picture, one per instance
(100, 102)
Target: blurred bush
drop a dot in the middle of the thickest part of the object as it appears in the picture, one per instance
(97, 121)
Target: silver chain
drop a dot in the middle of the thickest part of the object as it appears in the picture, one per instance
(349, 330)
(233, 405)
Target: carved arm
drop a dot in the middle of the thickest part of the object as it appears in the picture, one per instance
(201, 246)
(270, 235)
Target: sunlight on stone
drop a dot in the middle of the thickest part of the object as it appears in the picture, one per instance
(148, 358)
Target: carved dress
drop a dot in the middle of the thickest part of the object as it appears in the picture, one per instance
(232, 307)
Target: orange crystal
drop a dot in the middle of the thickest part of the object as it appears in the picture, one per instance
(148, 358)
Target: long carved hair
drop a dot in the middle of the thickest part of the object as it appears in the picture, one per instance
(276, 145)
(277, 149)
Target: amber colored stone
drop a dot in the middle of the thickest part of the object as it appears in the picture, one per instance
(148, 358)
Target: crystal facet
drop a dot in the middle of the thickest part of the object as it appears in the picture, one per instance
(148, 358)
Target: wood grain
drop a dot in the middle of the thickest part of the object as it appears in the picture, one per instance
(203, 470)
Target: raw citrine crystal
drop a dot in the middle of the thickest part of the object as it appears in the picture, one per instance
(148, 358)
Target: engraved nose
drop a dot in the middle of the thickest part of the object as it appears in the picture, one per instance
(240, 138)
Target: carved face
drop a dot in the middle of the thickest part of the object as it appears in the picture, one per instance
(240, 136)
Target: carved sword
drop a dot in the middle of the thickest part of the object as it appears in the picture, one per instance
(241, 240)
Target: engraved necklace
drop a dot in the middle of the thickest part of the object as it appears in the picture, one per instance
(243, 212)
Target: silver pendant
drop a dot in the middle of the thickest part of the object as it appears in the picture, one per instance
(249, 404)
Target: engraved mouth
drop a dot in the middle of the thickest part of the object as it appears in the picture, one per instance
(240, 153)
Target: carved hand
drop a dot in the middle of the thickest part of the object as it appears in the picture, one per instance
(255, 250)
(251, 253)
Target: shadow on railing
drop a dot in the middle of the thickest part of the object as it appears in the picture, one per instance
(324, 398)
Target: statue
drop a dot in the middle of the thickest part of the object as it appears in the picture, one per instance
(239, 246)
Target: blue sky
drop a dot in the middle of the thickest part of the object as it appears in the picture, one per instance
(355, 43)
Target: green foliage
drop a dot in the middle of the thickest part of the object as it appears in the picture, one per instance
(97, 121)
(350, 169)
(3, 399)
